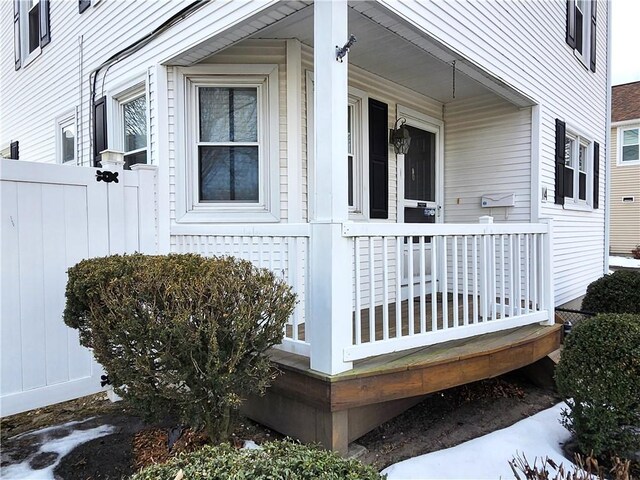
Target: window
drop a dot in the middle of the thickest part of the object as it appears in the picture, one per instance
(66, 139)
(31, 29)
(356, 169)
(232, 160)
(629, 146)
(577, 172)
(581, 30)
(228, 147)
(577, 167)
(128, 125)
(134, 122)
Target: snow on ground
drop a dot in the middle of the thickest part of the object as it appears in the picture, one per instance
(539, 436)
(624, 262)
(56, 442)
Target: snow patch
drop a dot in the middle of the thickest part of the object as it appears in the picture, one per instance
(624, 262)
(488, 457)
(251, 445)
(58, 446)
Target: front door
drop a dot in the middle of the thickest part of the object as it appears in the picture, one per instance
(419, 196)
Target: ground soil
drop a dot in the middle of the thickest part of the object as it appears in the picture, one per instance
(440, 421)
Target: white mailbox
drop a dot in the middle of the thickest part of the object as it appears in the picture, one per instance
(492, 200)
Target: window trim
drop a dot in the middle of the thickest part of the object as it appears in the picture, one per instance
(621, 129)
(61, 121)
(123, 93)
(359, 99)
(189, 208)
(583, 57)
(574, 202)
(27, 56)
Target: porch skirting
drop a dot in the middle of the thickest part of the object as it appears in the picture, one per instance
(336, 410)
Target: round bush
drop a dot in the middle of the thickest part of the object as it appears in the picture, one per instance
(615, 293)
(180, 334)
(599, 376)
(281, 460)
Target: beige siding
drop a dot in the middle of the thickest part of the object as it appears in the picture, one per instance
(487, 151)
(625, 217)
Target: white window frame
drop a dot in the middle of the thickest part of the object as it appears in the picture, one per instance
(26, 56)
(359, 101)
(585, 55)
(120, 95)
(574, 202)
(621, 130)
(62, 121)
(189, 208)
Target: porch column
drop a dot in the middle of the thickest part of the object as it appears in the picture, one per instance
(330, 264)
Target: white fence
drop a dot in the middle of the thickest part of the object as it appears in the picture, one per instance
(53, 216)
(416, 285)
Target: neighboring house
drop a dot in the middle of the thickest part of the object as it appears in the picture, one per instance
(441, 180)
(624, 229)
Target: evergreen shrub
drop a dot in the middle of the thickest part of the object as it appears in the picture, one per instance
(180, 335)
(599, 377)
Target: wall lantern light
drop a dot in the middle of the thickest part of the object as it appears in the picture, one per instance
(400, 138)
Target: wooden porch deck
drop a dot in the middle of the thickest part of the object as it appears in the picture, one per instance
(338, 409)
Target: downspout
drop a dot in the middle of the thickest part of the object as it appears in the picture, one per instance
(607, 174)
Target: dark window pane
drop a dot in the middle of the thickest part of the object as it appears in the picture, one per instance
(629, 153)
(420, 166)
(132, 159)
(582, 186)
(228, 114)
(68, 143)
(350, 179)
(34, 27)
(228, 174)
(135, 124)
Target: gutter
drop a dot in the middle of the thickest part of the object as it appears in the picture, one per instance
(607, 175)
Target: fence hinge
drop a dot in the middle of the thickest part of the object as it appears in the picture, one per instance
(107, 177)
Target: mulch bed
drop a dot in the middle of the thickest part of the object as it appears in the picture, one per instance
(442, 420)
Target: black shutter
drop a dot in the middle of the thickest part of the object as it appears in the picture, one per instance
(593, 35)
(99, 128)
(571, 23)
(16, 33)
(378, 159)
(561, 132)
(45, 28)
(596, 174)
(14, 150)
(83, 5)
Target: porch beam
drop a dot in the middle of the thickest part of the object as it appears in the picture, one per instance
(330, 296)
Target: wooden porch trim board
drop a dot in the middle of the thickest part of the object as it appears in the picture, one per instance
(337, 409)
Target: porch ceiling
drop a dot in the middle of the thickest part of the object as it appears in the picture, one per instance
(388, 45)
(385, 53)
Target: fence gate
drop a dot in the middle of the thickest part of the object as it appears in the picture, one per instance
(53, 216)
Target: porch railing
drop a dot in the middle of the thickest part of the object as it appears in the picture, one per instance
(281, 248)
(416, 285)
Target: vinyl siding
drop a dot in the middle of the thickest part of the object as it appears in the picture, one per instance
(523, 44)
(625, 217)
(487, 151)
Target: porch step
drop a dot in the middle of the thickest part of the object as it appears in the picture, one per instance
(336, 410)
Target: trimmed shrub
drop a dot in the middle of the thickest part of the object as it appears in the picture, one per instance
(635, 253)
(282, 460)
(599, 376)
(180, 334)
(615, 293)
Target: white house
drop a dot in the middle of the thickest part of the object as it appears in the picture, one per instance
(419, 171)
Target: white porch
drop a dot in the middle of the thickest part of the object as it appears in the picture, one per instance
(366, 286)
